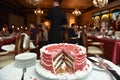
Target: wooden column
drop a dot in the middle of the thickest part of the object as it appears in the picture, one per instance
(38, 18)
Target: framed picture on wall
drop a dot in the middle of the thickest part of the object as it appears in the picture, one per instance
(115, 19)
(96, 19)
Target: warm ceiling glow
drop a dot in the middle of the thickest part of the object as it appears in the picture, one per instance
(76, 12)
(46, 23)
(33, 2)
(38, 11)
(100, 3)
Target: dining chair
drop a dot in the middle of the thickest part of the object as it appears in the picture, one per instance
(65, 36)
(74, 40)
(35, 44)
(7, 57)
(92, 48)
(13, 48)
(25, 47)
(69, 39)
(3, 53)
(31, 45)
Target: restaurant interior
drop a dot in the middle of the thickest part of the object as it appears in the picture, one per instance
(24, 29)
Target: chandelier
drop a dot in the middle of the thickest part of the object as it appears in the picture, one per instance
(38, 11)
(76, 12)
(33, 2)
(100, 3)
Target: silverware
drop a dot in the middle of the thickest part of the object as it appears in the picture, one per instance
(24, 70)
(113, 72)
(109, 68)
(101, 64)
(103, 70)
(93, 61)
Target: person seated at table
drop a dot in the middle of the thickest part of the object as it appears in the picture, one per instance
(71, 33)
(110, 32)
(45, 32)
(33, 30)
(5, 31)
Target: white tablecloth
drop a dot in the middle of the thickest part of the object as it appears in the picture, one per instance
(10, 72)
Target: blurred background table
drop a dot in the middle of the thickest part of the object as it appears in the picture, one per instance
(6, 40)
(111, 49)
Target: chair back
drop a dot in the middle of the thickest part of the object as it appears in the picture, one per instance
(65, 36)
(18, 44)
(84, 39)
(26, 43)
(38, 38)
(68, 39)
(92, 48)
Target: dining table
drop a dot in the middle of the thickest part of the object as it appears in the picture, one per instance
(11, 72)
(6, 41)
(111, 48)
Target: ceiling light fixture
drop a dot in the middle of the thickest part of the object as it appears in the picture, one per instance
(100, 3)
(76, 12)
(33, 2)
(38, 11)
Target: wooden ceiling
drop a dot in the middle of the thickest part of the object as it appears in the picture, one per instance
(67, 5)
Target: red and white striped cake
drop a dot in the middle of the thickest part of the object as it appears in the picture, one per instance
(56, 56)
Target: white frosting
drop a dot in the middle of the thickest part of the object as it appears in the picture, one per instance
(56, 60)
(58, 64)
(63, 65)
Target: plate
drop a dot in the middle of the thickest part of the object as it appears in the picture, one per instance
(64, 76)
(95, 67)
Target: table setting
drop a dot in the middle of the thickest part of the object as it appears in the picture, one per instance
(7, 40)
(111, 48)
(16, 73)
(104, 65)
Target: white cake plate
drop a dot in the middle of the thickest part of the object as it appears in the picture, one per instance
(65, 76)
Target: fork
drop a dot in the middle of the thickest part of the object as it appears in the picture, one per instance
(113, 72)
(107, 67)
(24, 70)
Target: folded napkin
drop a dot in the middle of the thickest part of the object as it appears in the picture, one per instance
(10, 47)
(100, 36)
(32, 45)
